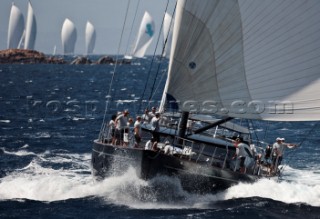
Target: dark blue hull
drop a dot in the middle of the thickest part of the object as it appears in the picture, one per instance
(109, 160)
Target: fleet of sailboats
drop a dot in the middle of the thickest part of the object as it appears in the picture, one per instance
(23, 35)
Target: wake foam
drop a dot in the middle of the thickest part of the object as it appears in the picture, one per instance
(72, 179)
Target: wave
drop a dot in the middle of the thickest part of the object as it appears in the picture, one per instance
(38, 135)
(72, 179)
(78, 118)
(20, 153)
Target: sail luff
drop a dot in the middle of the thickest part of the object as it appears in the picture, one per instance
(247, 59)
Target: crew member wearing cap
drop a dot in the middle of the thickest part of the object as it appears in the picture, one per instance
(277, 152)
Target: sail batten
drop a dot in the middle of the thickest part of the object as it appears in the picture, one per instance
(237, 54)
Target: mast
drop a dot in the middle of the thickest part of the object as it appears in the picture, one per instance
(183, 124)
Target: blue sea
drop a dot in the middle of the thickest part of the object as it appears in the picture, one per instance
(50, 115)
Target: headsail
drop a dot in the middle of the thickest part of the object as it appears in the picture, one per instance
(90, 38)
(16, 27)
(68, 36)
(251, 59)
(31, 29)
(145, 36)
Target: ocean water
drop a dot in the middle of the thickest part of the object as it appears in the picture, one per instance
(49, 116)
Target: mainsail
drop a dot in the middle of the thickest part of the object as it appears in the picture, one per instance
(31, 29)
(252, 59)
(90, 38)
(167, 34)
(68, 36)
(16, 27)
(145, 36)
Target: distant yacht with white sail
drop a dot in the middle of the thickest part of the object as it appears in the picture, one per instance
(144, 37)
(16, 27)
(68, 37)
(167, 34)
(31, 29)
(90, 37)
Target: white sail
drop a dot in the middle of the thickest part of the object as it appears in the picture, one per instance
(54, 50)
(251, 59)
(90, 38)
(145, 36)
(68, 36)
(16, 27)
(21, 42)
(31, 29)
(167, 34)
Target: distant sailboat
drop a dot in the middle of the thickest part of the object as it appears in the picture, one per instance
(167, 34)
(31, 29)
(90, 38)
(54, 50)
(144, 37)
(16, 27)
(68, 36)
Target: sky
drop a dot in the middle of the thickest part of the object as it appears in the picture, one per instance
(107, 16)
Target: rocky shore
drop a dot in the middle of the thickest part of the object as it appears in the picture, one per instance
(23, 56)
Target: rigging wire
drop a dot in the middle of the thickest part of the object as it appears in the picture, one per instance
(152, 61)
(266, 131)
(133, 21)
(251, 126)
(153, 92)
(113, 74)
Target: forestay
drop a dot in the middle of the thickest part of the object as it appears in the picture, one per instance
(253, 59)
